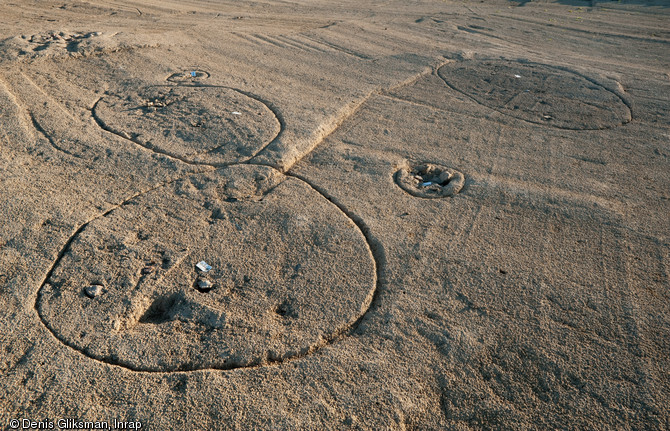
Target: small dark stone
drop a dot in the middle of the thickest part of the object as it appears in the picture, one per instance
(204, 285)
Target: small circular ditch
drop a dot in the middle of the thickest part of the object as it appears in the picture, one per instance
(537, 93)
(189, 76)
(196, 124)
(233, 268)
(430, 181)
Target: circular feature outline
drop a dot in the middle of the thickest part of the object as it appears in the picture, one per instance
(277, 116)
(325, 340)
(190, 79)
(454, 182)
(593, 81)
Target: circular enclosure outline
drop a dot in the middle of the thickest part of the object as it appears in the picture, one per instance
(277, 116)
(325, 340)
(562, 69)
(189, 79)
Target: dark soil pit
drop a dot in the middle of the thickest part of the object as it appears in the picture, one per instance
(189, 76)
(289, 271)
(195, 124)
(430, 181)
(537, 93)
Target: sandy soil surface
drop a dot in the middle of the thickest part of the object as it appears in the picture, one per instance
(335, 215)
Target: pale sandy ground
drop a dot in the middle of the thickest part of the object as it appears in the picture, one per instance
(535, 298)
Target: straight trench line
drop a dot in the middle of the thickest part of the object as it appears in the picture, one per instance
(335, 124)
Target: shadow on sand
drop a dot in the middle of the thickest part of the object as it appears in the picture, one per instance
(593, 3)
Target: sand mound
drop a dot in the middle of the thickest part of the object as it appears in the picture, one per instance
(60, 43)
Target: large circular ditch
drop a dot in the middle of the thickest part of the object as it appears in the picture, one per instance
(289, 271)
(537, 93)
(196, 124)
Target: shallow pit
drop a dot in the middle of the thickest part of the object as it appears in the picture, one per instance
(429, 180)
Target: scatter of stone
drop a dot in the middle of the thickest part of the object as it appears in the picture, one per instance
(430, 180)
(204, 285)
(93, 290)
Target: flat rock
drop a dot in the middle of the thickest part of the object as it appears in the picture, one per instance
(93, 290)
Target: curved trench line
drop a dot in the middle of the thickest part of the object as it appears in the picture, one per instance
(593, 81)
(277, 114)
(375, 248)
(623, 99)
(153, 149)
(275, 111)
(36, 124)
(193, 68)
(65, 248)
(376, 251)
(44, 133)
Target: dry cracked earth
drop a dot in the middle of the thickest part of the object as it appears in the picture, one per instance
(335, 215)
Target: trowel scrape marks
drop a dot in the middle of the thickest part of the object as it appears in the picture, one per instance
(430, 181)
(289, 272)
(196, 124)
(537, 93)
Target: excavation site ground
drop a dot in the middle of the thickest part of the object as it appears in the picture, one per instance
(335, 215)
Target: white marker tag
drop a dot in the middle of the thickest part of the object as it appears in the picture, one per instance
(203, 266)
